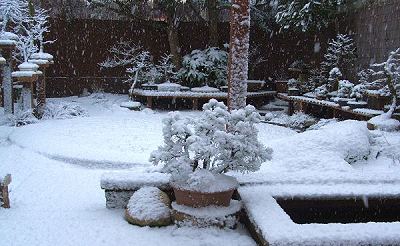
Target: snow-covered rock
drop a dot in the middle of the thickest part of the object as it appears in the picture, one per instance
(131, 105)
(2, 60)
(149, 206)
(384, 122)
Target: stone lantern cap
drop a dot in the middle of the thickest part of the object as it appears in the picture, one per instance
(42, 56)
(28, 72)
(8, 39)
(40, 63)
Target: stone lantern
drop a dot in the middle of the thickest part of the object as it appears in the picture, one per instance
(27, 76)
(43, 60)
(8, 41)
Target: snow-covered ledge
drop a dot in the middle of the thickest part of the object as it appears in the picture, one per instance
(120, 185)
(273, 226)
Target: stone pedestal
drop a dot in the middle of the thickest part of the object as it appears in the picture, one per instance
(7, 83)
(27, 77)
(43, 60)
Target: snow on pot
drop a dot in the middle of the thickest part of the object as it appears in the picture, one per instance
(197, 152)
(168, 86)
(206, 89)
(203, 188)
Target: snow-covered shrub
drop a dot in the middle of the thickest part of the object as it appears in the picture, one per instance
(63, 111)
(345, 88)
(218, 141)
(204, 67)
(20, 118)
(299, 120)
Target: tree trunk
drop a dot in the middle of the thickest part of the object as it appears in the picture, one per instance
(173, 41)
(213, 18)
(238, 54)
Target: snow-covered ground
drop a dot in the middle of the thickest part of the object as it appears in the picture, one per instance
(57, 164)
(58, 203)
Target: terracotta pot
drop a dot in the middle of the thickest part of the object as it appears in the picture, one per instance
(201, 199)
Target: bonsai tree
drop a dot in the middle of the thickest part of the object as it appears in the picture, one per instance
(345, 89)
(217, 142)
(388, 75)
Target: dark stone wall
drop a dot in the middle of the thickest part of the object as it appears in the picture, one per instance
(377, 28)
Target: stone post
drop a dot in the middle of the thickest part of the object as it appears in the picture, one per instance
(7, 79)
(43, 60)
(27, 76)
(238, 54)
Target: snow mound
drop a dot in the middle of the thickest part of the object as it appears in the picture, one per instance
(146, 204)
(131, 105)
(385, 123)
(331, 148)
(63, 110)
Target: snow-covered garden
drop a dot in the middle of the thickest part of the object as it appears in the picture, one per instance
(181, 157)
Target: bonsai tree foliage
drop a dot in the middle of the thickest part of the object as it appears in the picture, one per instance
(388, 75)
(219, 141)
(204, 67)
(341, 53)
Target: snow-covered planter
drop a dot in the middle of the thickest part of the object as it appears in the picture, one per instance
(198, 152)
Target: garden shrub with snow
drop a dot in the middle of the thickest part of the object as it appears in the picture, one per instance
(63, 111)
(204, 67)
(18, 119)
(216, 142)
(332, 147)
(299, 120)
(149, 206)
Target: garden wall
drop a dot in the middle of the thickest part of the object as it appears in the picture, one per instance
(377, 28)
(82, 44)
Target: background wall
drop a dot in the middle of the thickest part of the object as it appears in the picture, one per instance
(82, 44)
(377, 28)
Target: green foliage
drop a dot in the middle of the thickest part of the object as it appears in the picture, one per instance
(204, 67)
